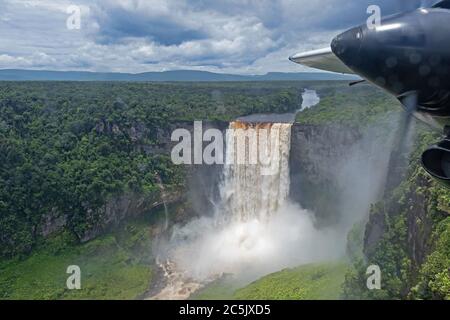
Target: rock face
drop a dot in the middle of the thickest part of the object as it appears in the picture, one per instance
(201, 179)
(118, 209)
(315, 153)
(51, 223)
(419, 225)
(316, 148)
(417, 208)
(374, 231)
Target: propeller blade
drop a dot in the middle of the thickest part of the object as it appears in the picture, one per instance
(411, 103)
(402, 144)
(354, 83)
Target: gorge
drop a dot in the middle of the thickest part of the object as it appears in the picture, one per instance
(254, 229)
(134, 210)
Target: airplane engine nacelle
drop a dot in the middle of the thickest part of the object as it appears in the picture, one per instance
(409, 53)
(436, 161)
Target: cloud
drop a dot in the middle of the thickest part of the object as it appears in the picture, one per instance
(118, 21)
(241, 36)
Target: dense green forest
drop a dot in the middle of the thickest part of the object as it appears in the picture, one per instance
(413, 249)
(68, 149)
(414, 246)
(65, 148)
(349, 106)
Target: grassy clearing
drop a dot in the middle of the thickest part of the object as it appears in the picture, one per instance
(309, 282)
(116, 266)
(222, 289)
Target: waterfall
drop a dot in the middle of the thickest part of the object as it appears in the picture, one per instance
(255, 181)
(255, 229)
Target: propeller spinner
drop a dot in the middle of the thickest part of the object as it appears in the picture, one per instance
(408, 55)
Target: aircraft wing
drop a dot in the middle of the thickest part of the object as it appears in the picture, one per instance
(323, 59)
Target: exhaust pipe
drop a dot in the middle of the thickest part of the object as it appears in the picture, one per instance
(436, 161)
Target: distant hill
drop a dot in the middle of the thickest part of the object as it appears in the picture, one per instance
(181, 75)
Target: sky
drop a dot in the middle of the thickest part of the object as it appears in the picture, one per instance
(225, 36)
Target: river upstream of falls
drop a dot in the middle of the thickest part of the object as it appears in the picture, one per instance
(255, 229)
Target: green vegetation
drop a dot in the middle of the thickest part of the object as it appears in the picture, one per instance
(412, 249)
(434, 275)
(221, 289)
(423, 274)
(115, 266)
(310, 282)
(356, 106)
(66, 148)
